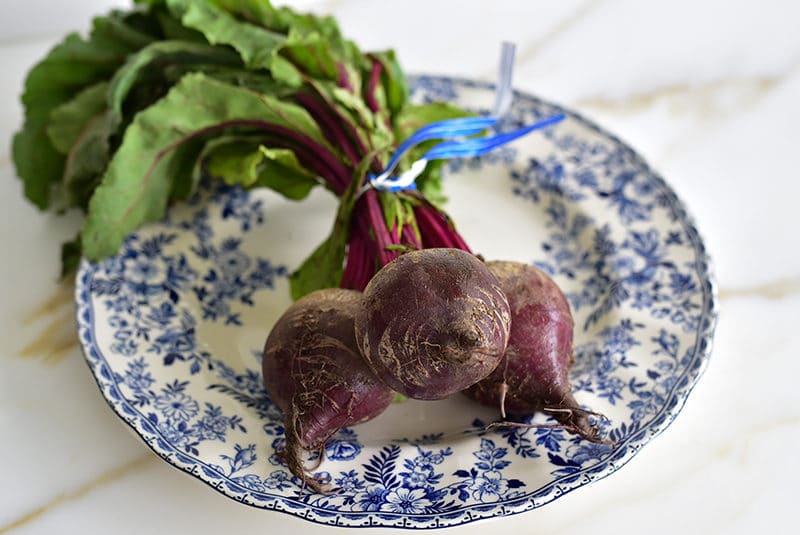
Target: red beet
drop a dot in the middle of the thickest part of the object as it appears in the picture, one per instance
(433, 322)
(314, 373)
(534, 372)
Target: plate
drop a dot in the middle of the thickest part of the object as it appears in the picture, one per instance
(172, 328)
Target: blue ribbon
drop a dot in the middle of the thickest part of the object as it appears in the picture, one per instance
(478, 146)
(457, 129)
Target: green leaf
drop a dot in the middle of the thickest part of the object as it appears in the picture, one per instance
(374, 130)
(172, 28)
(281, 171)
(86, 161)
(243, 160)
(393, 80)
(70, 256)
(68, 120)
(38, 163)
(429, 182)
(122, 32)
(68, 68)
(259, 82)
(324, 267)
(284, 70)
(257, 46)
(354, 116)
(186, 183)
(399, 398)
(392, 208)
(137, 182)
(184, 179)
(286, 21)
(287, 43)
(235, 162)
(355, 104)
(312, 53)
(156, 57)
(146, 22)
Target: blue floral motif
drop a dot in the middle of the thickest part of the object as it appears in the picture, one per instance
(434, 89)
(176, 406)
(632, 265)
(612, 269)
(244, 457)
(485, 481)
(137, 377)
(350, 482)
(344, 446)
(372, 499)
(232, 278)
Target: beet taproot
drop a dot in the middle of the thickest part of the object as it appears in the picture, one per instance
(316, 376)
(433, 322)
(533, 374)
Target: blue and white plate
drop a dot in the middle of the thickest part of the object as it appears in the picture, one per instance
(173, 326)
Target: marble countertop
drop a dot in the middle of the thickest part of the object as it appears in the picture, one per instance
(706, 91)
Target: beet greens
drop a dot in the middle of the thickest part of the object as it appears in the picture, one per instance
(125, 122)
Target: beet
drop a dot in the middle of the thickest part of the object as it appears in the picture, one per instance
(433, 322)
(314, 373)
(534, 372)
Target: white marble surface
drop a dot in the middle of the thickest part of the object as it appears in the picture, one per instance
(707, 91)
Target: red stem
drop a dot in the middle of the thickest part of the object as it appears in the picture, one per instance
(336, 177)
(369, 237)
(374, 80)
(410, 238)
(360, 264)
(344, 79)
(331, 126)
(436, 230)
(382, 237)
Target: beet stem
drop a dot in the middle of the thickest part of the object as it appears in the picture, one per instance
(344, 79)
(332, 128)
(410, 237)
(374, 80)
(382, 235)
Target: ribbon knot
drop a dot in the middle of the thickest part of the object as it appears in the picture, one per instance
(456, 131)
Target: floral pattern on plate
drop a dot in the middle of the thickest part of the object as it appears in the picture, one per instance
(172, 329)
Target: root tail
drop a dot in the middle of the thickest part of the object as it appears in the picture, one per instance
(576, 420)
(503, 393)
(292, 456)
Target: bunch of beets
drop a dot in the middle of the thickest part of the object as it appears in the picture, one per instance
(431, 323)
(125, 122)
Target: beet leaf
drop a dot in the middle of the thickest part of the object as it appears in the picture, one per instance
(136, 186)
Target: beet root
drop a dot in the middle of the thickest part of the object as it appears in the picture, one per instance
(433, 322)
(314, 373)
(533, 374)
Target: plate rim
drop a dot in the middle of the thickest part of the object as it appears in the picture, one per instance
(538, 497)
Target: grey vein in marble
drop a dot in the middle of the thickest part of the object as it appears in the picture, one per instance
(778, 289)
(561, 27)
(79, 492)
(702, 95)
